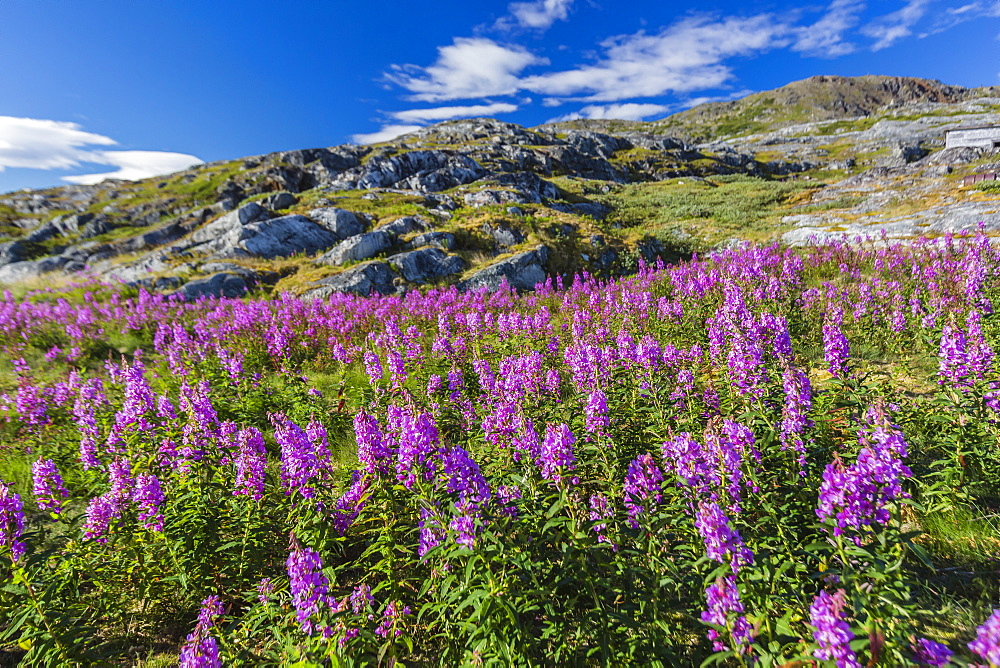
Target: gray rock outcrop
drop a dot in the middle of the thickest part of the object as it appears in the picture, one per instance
(366, 279)
(357, 248)
(223, 284)
(522, 272)
(426, 264)
(341, 222)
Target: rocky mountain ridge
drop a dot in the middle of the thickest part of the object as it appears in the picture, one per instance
(477, 202)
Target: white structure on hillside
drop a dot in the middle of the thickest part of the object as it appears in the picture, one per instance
(986, 136)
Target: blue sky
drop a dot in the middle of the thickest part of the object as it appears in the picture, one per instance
(130, 89)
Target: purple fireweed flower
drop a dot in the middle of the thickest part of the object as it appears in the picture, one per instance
(601, 513)
(431, 532)
(831, 631)
(465, 479)
(419, 448)
(794, 413)
(251, 464)
(987, 642)
(723, 599)
(556, 455)
(101, 512)
(953, 368)
(48, 485)
(723, 543)
(350, 504)
(148, 495)
(860, 495)
(836, 350)
(308, 586)
(122, 481)
(979, 354)
(211, 608)
(11, 521)
(374, 452)
(597, 412)
(264, 589)
(373, 365)
(929, 653)
(201, 650)
(393, 612)
(361, 598)
(301, 465)
(642, 487)
(507, 495)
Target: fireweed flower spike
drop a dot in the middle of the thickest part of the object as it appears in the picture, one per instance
(308, 586)
(48, 485)
(556, 456)
(929, 653)
(642, 487)
(836, 350)
(200, 649)
(987, 642)
(11, 521)
(831, 631)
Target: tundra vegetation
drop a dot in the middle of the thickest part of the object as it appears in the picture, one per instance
(760, 456)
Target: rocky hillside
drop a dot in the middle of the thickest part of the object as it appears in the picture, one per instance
(476, 202)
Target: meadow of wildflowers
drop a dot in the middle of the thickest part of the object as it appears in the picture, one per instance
(764, 456)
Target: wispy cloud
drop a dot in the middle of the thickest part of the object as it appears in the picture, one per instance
(471, 67)
(446, 113)
(629, 111)
(135, 165)
(890, 28)
(825, 37)
(954, 16)
(540, 14)
(387, 133)
(42, 144)
(688, 55)
(35, 143)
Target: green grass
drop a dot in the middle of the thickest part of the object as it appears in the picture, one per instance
(723, 206)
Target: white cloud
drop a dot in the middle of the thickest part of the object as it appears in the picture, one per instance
(953, 16)
(629, 111)
(540, 14)
(135, 165)
(35, 143)
(890, 28)
(471, 67)
(825, 38)
(41, 144)
(686, 56)
(387, 133)
(446, 113)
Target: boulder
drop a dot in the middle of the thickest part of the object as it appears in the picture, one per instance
(278, 201)
(503, 235)
(28, 269)
(445, 240)
(224, 284)
(359, 247)
(426, 171)
(494, 197)
(405, 225)
(246, 214)
(425, 265)
(341, 222)
(13, 251)
(277, 237)
(371, 277)
(522, 272)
